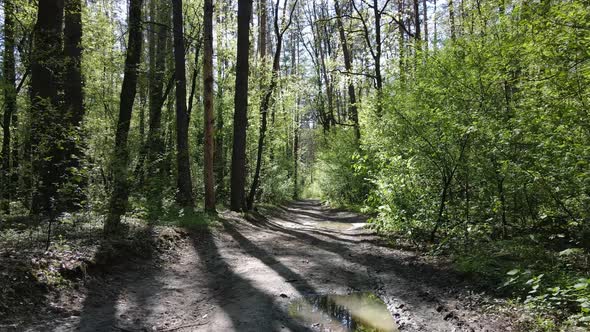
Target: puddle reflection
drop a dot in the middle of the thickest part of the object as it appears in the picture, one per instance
(344, 313)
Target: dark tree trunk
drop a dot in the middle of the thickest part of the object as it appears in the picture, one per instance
(452, 20)
(238, 168)
(375, 47)
(417, 33)
(154, 147)
(47, 125)
(219, 123)
(296, 152)
(73, 103)
(262, 25)
(209, 125)
(120, 195)
(377, 57)
(184, 182)
(425, 22)
(353, 110)
(6, 185)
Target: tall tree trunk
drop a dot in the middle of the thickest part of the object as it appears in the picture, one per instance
(73, 102)
(120, 195)
(183, 180)
(158, 49)
(209, 118)
(266, 101)
(452, 20)
(47, 131)
(353, 110)
(219, 123)
(296, 153)
(6, 185)
(425, 22)
(377, 57)
(238, 167)
(417, 33)
(262, 25)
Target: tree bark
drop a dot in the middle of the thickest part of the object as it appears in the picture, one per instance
(377, 57)
(452, 20)
(47, 130)
(9, 73)
(219, 121)
(73, 103)
(183, 180)
(266, 101)
(425, 22)
(238, 169)
(375, 48)
(418, 32)
(262, 25)
(158, 49)
(209, 118)
(120, 195)
(353, 110)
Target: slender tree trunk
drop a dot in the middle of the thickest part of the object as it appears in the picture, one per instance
(47, 130)
(183, 180)
(377, 58)
(6, 185)
(417, 33)
(156, 178)
(353, 110)
(73, 103)
(425, 22)
(435, 37)
(266, 101)
(219, 123)
(120, 195)
(452, 20)
(209, 118)
(262, 25)
(238, 169)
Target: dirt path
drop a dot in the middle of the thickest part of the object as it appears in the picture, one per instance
(243, 277)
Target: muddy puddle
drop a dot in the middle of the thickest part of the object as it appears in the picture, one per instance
(337, 226)
(343, 313)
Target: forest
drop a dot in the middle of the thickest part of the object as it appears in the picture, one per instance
(435, 153)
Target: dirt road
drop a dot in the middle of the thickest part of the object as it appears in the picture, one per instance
(243, 276)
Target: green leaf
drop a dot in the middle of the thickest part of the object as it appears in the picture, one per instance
(512, 272)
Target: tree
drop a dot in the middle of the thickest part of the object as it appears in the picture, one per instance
(120, 195)
(238, 167)
(9, 73)
(184, 182)
(223, 17)
(348, 67)
(158, 48)
(376, 46)
(73, 101)
(266, 100)
(47, 130)
(209, 148)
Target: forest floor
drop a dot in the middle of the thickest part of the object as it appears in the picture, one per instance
(243, 275)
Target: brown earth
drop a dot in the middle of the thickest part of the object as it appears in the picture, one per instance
(243, 275)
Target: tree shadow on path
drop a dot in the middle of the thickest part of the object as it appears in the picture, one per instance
(117, 277)
(246, 307)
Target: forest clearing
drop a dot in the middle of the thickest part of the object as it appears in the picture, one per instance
(295, 165)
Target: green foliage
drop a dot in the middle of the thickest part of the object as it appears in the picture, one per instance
(340, 170)
(485, 137)
(483, 151)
